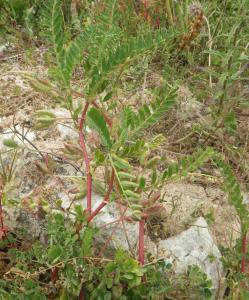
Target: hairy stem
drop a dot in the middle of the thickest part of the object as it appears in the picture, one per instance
(86, 158)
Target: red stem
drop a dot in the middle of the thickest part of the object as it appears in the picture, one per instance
(86, 158)
(105, 200)
(54, 274)
(81, 295)
(141, 242)
(243, 260)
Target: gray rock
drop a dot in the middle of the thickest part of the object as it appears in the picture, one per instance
(120, 237)
(194, 246)
(66, 131)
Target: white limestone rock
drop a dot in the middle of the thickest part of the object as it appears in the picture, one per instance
(194, 246)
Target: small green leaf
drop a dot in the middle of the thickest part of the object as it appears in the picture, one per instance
(54, 253)
(142, 183)
(10, 143)
(109, 282)
(99, 156)
(108, 296)
(98, 123)
(107, 96)
(120, 163)
(128, 276)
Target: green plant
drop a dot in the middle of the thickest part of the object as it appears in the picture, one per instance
(103, 51)
(195, 284)
(70, 259)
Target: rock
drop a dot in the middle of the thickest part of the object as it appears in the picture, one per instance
(65, 127)
(184, 202)
(194, 246)
(109, 228)
(66, 132)
(17, 219)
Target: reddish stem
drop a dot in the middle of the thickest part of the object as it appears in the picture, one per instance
(86, 158)
(105, 200)
(54, 274)
(141, 242)
(81, 295)
(243, 260)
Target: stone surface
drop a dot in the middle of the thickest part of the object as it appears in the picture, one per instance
(194, 246)
(66, 131)
(184, 202)
(121, 235)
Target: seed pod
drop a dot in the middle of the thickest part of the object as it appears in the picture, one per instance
(131, 194)
(125, 175)
(153, 198)
(120, 163)
(136, 207)
(44, 119)
(136, 215)
(129, 184)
